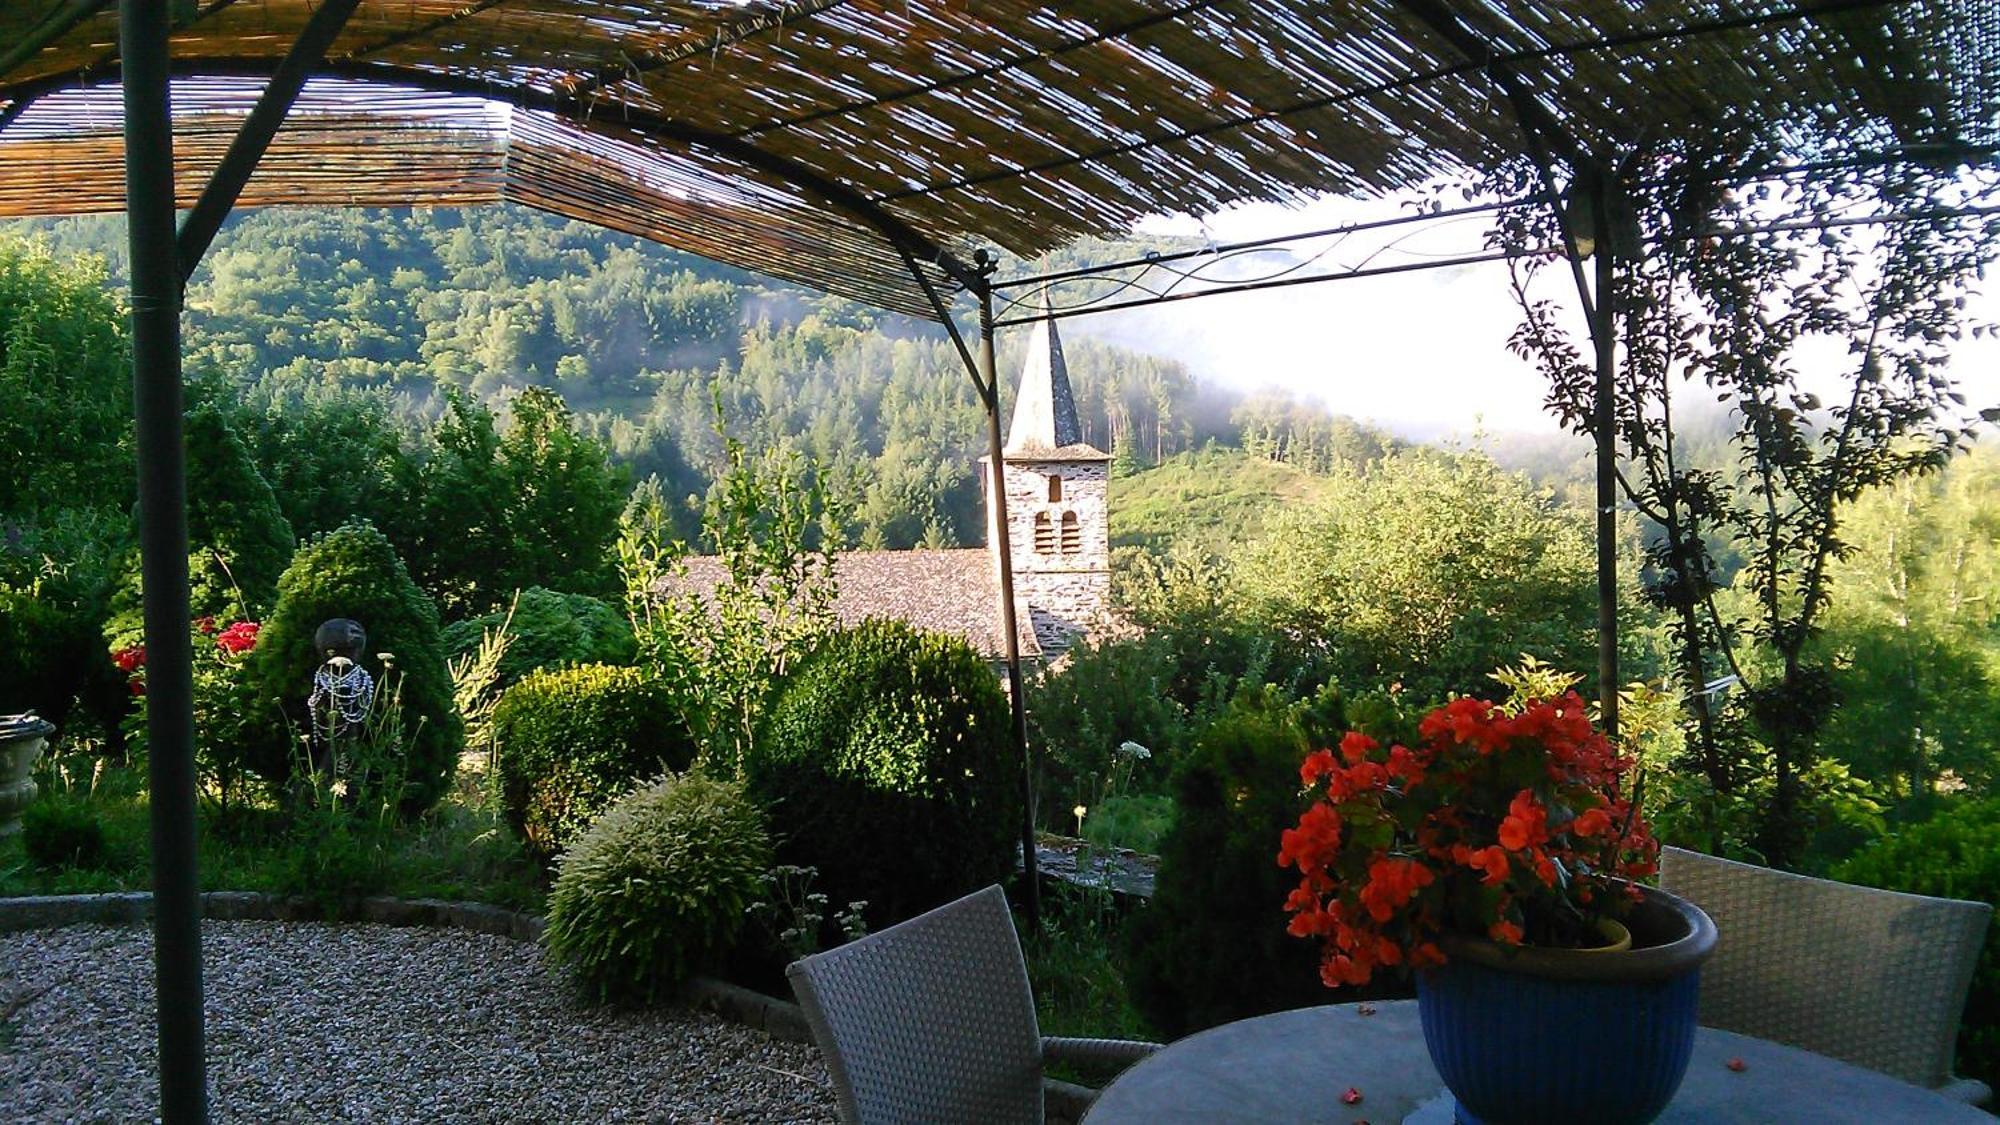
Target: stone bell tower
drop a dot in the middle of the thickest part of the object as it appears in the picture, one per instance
(1058, 503)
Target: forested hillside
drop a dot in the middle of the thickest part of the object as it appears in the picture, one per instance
(641, 341)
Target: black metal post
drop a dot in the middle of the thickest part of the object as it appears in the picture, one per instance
(163, 547)
(1604, 333)
(989, 394)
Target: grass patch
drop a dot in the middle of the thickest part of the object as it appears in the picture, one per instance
(1073, 966)
(459, 850)
(1211, 498)
(1137, 822)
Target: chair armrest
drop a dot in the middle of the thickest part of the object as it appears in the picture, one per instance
(1971, 1091)
(1095, 1052)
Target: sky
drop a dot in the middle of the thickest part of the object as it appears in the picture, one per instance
(1422, 353)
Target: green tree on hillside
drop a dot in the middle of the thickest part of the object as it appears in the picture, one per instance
(494, 513)
(1913, 632)
(66, 422)
(1429, 570)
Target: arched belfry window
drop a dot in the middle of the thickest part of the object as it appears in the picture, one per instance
(1072, 534)
(1045, 534)
(1055, 489)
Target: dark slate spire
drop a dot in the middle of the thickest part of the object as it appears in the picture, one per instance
(1044, 408)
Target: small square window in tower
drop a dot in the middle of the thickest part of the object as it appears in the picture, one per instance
(1055, 488)
(1045, 534)
(1072, 534)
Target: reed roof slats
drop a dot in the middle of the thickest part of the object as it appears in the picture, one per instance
(784, 137)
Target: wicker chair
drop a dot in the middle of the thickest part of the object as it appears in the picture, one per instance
(1873, 977)
(932, 1020)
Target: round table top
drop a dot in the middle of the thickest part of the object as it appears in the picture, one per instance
(1295, 1066)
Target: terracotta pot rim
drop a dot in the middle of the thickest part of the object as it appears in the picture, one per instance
(1677, 935)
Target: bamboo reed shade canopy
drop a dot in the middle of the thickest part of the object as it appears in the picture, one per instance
(820, 140)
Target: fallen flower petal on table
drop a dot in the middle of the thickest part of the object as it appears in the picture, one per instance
(1737, 1065)
(1351, 1097)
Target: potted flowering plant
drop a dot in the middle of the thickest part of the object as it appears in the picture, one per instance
(1498, 855)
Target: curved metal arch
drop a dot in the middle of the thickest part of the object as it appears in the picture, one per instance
(579, 111)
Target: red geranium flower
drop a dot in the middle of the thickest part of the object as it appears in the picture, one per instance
(238, 638)
(130, 659)
(1527, 823)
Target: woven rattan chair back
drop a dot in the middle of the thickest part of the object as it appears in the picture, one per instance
(931, 1020)
(1873, 977)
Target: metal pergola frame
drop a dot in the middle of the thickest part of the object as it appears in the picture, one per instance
(164, 256)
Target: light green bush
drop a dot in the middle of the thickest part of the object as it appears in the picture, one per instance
(657, 889)
(549, 629)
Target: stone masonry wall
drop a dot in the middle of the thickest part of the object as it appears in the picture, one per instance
(1065, 593)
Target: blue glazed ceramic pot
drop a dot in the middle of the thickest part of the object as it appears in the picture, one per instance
(1525, 1035)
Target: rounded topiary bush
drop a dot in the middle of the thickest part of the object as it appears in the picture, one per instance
(886, 763)
(657, 888)
(1219, 896)
(549, 629)
(1955, 854)
(353, 572)
(568, 742)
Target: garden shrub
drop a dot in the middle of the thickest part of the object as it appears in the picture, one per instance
(332, 858)
(549, 629)
(886, 762)
(1218, 899)
(1107, 693)
(658, 888)
(56, 583)
(571, 741)
(353, 572)
(1954, 855)
(59, 834)
(51, 657)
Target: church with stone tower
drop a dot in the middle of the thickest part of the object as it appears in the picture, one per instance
(1058, 504)
(1058, 520)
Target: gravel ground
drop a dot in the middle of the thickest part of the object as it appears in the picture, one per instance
(356, 1022)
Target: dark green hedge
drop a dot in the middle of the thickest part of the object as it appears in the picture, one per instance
(572, 740)
(550, 629)
(885, 760)
(1211, 946)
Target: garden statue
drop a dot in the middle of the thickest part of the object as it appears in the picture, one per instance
(21, 739)
(342, 690)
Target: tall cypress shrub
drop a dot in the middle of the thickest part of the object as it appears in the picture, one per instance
(1211, 946)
